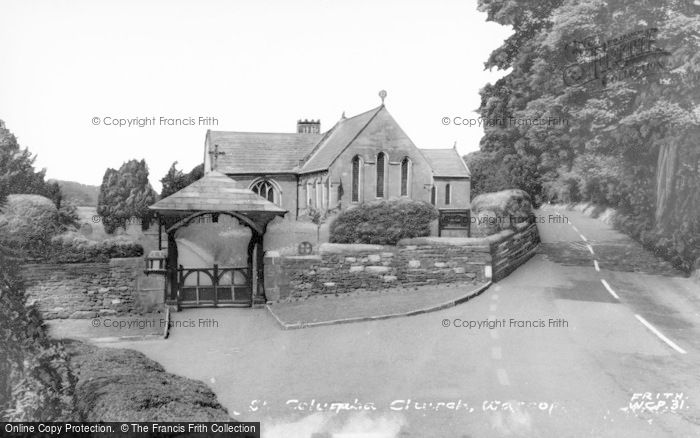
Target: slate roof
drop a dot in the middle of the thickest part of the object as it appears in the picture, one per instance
(336, 140)
(446, 162)
(216, 191)
(257, 152)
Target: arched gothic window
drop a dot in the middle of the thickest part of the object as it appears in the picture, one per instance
(267, 190)
(405, 176)
(433, 195)
(381, 170)
(448, 194)
(356, 176)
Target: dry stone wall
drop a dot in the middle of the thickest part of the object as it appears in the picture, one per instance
(84, 290)
(346, 268)
(512, 248)
(340, 268)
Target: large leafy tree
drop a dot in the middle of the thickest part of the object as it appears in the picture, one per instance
(176, 180)
(630, 142)
(124, 194)
(17, 172)
(18, 176)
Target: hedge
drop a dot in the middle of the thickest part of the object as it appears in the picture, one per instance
(75, 248)
(30, 225)
(36, 383)
(124, 385)
(383, 222)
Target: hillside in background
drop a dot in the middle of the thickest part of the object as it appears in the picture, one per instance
(82, 195)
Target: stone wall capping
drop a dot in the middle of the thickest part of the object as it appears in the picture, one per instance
(348, 248)
(127, 262)
(476, 243)
(303, 257)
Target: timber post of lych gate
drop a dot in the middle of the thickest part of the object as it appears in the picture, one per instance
(171, 284)
(259, 298)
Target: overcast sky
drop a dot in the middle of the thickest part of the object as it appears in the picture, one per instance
(253, 65)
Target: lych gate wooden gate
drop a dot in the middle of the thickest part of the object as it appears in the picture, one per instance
(213, 195)
(216, 287)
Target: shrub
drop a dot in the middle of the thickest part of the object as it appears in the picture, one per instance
(499, 211)
(383, 222)
(72, 247)
(67, 216)
(29, 221)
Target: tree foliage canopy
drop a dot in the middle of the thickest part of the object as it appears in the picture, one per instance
(628, 142)
(125, 193)
(176, 180)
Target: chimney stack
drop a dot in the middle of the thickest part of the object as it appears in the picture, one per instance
(308, 126)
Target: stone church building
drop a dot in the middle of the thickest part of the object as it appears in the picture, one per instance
(362, 158)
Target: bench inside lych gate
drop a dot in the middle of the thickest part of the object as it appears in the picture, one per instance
(216, 287)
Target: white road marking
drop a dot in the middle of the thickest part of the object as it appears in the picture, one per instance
(493, 307)
(574, 227)
(590, 249)
(595, 263)
(660, 335)
(502, 377)
(496, 352)
(494, 333)
(494, 296)
(607, 286)
(583, 237)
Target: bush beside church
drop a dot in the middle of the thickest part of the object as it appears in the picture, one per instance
(383, 222)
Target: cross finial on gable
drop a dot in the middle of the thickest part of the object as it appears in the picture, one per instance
(382, 95)
(215, 156)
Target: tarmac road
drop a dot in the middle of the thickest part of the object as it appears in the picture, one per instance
(600, 347)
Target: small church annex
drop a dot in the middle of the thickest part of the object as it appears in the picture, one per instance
(362, 158)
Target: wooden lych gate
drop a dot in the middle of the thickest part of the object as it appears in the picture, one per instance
(233, 286)
(198, 287)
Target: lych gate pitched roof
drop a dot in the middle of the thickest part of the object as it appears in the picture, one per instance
(256, 152)
(216, 192)
(446, 162)
(336, 140)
